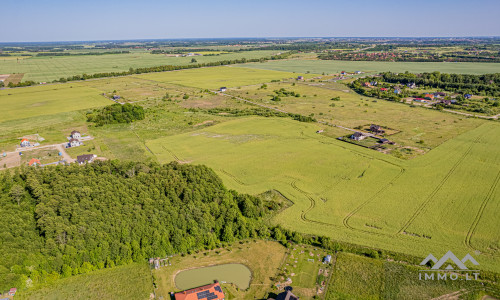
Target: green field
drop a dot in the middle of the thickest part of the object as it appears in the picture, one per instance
(132, 281)
(44, 69)
(336, 66)
(352, 193)
(237, 274)
(215, 77)
(36, 101)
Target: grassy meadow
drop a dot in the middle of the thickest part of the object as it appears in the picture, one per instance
(261, 257)
(352, 193)
(131, 281)
(336, 66)
(48, 68)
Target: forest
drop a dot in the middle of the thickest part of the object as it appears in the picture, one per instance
(116, 113)
(62, 221)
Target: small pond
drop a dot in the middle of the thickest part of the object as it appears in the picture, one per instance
(238, 274)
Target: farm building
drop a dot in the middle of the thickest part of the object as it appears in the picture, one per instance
(223, 89)
(25, 143)
(357, 136)
(73, 143)
(76, 135)
(327, 259)
(376, 129)
(85, 158)
(34, 162)
(207, 292)
(300, 78)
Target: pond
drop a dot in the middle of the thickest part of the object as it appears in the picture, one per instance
(238, 274)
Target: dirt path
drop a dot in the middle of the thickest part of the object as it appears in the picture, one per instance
(65, 155)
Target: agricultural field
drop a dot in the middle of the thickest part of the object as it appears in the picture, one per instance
(359, 277)
(336, 66)
(263, 258)
(131, 281)
(351, 193)
(49, 68)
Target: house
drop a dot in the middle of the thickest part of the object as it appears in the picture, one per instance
(300, 78)
(34, 162)
(12, 292)
(25, 143)
(357, 136)
(85, 158)
(358, 72)
(446, 102)
(411, 85)
(116, 97)
(383, 141)
(76, 135)
(286, 295)
(439, 94)
(367, 84)
(383, 89)
(73, 143)
(320, 131)
(373, 83)
(327, 259)
(342, 73)
(376, 129)
(223, 89)
(468, 96)
(421, 100)
(207, 292)
(397, 90)
(429, 96)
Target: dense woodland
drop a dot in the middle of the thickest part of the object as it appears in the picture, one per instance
(116, 113)
(61, 221)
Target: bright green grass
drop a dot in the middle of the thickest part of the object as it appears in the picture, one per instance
(238, 274)
(335, 66)
(124, 282)
(215, 77)
(40, 69)
(23, 103)
(356, 194)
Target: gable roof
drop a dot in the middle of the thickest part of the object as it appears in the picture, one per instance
(207, 292)
(34, 161)
(288, 295)
(84, 158)
(24, 140)
(357, 134)
(74, 131)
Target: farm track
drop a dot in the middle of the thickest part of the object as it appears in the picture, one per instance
(479, 214)
(437, 188)
(172, 153)
(357, 209)
(234, 177)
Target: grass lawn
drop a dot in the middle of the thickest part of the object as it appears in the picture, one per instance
(355, 194)
(336, 66)
(123, 282)
(261, 257)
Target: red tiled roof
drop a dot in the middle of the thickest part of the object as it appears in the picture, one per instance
(34, 161)
(209, 290)
(24, 140)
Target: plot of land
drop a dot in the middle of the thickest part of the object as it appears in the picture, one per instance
(356, 194)
(237, 274)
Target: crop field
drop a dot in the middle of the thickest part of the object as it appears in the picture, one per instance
(352, 193)
(215, 77)
(261, 257)
(46, 100)
(131, 281)
(48, 68)
(336, 66)
(358, 277)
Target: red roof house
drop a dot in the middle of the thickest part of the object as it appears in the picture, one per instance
(207, 292)
(34, 162)
(12, 292)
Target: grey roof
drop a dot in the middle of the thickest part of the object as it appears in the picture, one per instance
(84, 158)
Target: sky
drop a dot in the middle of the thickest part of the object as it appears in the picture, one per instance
(56, 20)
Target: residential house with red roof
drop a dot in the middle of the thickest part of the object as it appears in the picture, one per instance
(207, 292)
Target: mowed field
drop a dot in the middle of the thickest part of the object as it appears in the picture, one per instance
(24, 103)
(336, 66)
(45, 69)
(444, 200)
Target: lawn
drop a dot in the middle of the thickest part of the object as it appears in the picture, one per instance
(215, 77)
(355, 194)
(261, 257)
(123, 282)
(22, 103)
(336, 66)
(48, 68)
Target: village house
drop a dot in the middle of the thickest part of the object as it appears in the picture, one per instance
(411, 85)
(85, 158)
(116, 97)
(421, 100)
(358, 72)
(25, 143)
(300, 78)
(429, 96)
(73, 143)
(223, 89)
(367, 84)
(384, 141)
(376, 129)
(207, 292)
(373, 82)
(327, 259)
(383, 89)
(12, 292)
(34, 162)
(357, 136)
(76, 135)
(439, 94)
(397, 90)
(286, 295)
(468, 96)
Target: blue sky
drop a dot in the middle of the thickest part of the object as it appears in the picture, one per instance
(55, 20)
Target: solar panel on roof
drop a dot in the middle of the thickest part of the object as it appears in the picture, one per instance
(218, 289)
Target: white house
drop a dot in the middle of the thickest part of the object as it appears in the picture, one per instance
(86, 158)
(25, 143)
(76, 135)
(223, 89)
(358, 136)
(74, 143)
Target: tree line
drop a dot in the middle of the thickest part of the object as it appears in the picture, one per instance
(116, 113)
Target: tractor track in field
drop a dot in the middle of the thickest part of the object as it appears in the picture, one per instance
(369, 200)
(233, 177)
(172, 153)
(479, 215)
(437, 188)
